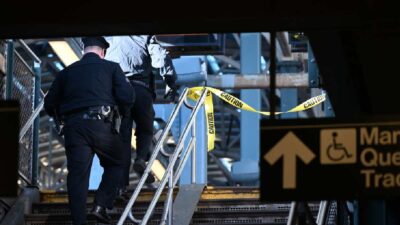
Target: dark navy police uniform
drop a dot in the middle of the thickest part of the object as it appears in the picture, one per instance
(85, 85)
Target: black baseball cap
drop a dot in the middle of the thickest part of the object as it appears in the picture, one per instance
(95, 41)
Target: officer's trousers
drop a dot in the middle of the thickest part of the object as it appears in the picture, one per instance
(142, 113)
(83, 139)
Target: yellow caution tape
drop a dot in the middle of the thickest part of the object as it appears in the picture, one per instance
(195, 92)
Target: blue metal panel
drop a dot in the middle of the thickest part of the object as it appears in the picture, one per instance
(201, 149)
(247, 170)
(288, 95)
(288, 101)
(163, 111)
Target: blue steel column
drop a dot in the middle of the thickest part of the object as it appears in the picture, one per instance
(288, 96)
(35, 150)
(163, 111)
(247, 169)
(288, 101)
(201, 149)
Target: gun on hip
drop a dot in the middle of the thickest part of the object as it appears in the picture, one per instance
(59, 125)
(116, 119)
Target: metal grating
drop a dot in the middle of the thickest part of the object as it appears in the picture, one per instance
(23, 90)
(244, 220)
(88, 223)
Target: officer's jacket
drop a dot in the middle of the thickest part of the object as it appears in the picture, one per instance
(92, 81)
(138, 54)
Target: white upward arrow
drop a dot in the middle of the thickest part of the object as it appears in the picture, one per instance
(289, 147)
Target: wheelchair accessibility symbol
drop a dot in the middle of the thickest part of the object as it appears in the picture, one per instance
(338, 146)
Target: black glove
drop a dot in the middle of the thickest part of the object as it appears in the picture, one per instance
(172, 94)
(173, 91)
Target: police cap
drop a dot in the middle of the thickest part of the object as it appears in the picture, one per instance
(95, 41)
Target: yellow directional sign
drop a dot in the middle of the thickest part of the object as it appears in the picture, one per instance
(325, 159)
(289, 148)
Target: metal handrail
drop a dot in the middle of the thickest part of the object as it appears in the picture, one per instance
(187, 104)
(31, 120)
(174, 159)
(27, 67)
(29, 51)
(24, 178)
(169, 175)
(322, 212)
(152, 159)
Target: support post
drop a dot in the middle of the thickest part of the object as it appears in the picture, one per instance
(246, 170)
(10, 68)
(36, 124)
(199, 175)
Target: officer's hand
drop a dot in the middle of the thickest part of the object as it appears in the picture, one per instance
(173, 95)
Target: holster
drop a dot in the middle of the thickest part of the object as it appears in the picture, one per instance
(116, 119)
(59, 125)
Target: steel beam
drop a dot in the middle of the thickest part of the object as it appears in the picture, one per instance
(255, 81)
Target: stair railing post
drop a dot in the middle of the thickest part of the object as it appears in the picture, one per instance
(171, 195)
(323, 212)
(36, 124)
(166, 218)
(193, 152)
(174, 158)
(292, 214)
(158, 148)
(10, 68)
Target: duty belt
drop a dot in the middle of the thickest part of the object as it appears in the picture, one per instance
(92, 113)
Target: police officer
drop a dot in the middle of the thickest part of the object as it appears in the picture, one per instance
(84, 95)
(137, 56)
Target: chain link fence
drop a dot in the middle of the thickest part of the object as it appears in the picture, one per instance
(23, 89)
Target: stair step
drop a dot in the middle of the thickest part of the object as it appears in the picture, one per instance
(205, 213)
(209, 207)
(66, 220)
(222, 205)
(209, 193)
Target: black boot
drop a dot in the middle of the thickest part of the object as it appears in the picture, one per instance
(139, 166)
(101, 214)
